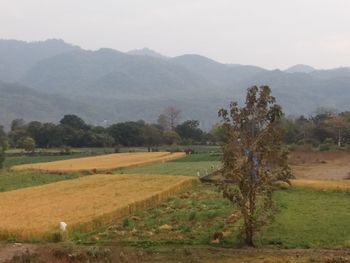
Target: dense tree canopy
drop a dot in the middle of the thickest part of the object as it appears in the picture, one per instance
(74, 132)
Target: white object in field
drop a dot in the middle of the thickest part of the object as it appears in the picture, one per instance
(198, 174)
(62, 225)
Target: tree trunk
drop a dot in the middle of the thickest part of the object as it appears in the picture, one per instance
(249, 233)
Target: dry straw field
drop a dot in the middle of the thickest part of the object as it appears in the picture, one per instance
(102, 163)
(35, 212)
(343, 185)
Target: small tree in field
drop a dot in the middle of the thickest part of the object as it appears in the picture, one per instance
(28, 144)
(253, 157)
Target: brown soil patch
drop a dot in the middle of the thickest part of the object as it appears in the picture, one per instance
(320, 165)
(60, 254)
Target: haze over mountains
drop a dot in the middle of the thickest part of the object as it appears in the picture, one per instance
(44, 80)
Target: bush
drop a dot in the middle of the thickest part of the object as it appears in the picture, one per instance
(189, 151)
(28, 144)
(324, 147)
(66, 150)
(312, 142)
(328, 141)
(174, 148)
(117, 149)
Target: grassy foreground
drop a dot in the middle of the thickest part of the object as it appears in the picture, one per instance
(306, 218)
(309, 218)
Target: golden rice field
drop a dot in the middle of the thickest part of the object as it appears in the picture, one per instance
(323, 184)
(36, 211)
(102, 163)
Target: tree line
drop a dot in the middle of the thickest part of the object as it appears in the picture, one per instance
(325, 129)
(73, 131)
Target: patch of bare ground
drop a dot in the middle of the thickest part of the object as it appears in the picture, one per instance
(331, 165)
(57, 253)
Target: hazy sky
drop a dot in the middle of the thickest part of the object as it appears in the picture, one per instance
(268, 33)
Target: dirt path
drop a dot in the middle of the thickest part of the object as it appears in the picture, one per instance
(55, 253)
(320, 165)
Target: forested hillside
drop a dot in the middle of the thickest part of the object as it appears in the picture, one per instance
(54, 77)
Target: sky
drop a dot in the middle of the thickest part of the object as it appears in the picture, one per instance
(268, 33)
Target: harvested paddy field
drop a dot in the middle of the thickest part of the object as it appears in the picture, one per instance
(35, 212)
(102, 162)
(320, 165)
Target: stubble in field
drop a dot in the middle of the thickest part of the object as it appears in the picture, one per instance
(103, 162)
(36, 211)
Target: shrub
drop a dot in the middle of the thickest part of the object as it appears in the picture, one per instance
(66, 150)
(328, 141)
(312, 142)
(28, 144)
(324, 147)
(189, 151)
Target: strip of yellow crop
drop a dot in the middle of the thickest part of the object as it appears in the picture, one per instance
(36, 211)
(323, 184)
(102, 162)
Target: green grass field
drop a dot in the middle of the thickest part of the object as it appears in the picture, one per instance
(12, 180)
(189, 165)
(11, 161)
(310, 218)
(173, 168)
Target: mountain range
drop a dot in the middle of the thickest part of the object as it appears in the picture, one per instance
(44, 80)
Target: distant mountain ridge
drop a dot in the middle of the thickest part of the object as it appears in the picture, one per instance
(300, 68)
(146, 52)
(111, 85)
(16, 57)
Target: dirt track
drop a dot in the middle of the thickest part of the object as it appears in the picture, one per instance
(320, 165)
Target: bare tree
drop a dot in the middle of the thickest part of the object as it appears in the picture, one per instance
(338, 123)
(169, 119)
(163, 122)
(253, 157)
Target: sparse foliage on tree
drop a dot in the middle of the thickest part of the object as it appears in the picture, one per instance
(253, 157)
(170, 118)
